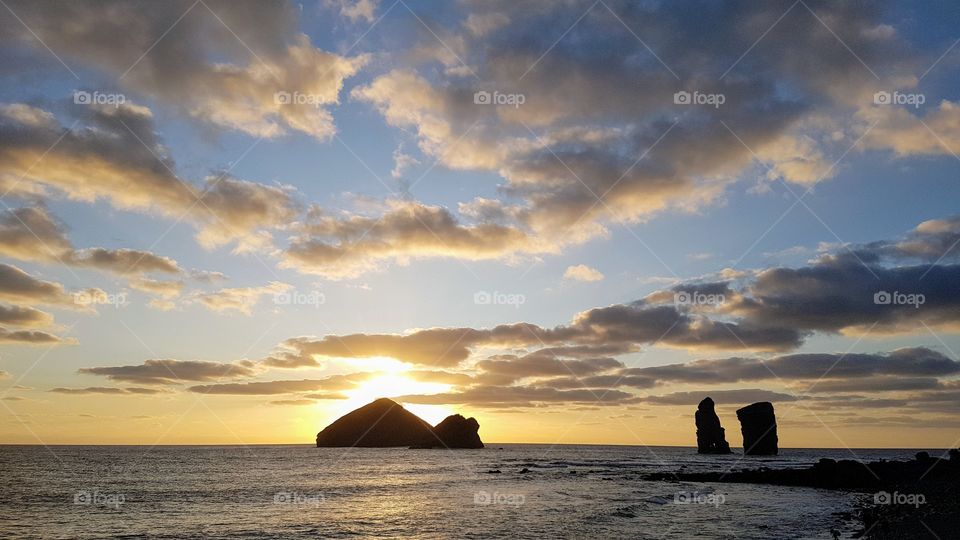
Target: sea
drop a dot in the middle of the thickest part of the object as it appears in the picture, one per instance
(501, 491)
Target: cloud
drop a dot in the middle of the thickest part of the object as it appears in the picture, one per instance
(359, 9)
(874, 384)
(723, 397)
(589, 151)
(338, 247)
(402, 162)
(117, 156)
(24, 316)
(207, 276)
(163, 292)
(773, 309)
(20, 287)
(542, 363)
(163, 289)
(482, 24)
(31, 234)
(907, 134)
(432, 347)
(333, 383)
(123, 261)
(167, 371)
(4, 375)
(521, 396)
(29, 337)
(293, 402)
(240, 299)
(108, 390)
(221, 62)
(582, 272)
(907, 362)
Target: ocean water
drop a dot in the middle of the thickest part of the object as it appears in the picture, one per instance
(293, 491)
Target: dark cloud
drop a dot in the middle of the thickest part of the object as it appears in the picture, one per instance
(909, 362)
(333, 383)
(24, 316)
(19, 286)
(29, 337)
(293, 402)
(174, 371)
(874, 384)
(32, 234)
(521, 396)
(110, 390)
(840, 293)
(123, 261)
(723, 397)
(542, 363)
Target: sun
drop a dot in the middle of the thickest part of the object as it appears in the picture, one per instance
(392, 385)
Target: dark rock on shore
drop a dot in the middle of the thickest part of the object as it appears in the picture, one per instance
(454, 431)
(382, 423)
(711, 437)
(909, 497)
(385, 423)
(758, 423)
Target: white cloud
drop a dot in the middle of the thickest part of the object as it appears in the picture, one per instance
(582, 272)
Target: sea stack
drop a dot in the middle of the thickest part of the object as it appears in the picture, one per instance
(758, 423)
(385, 423)
(711, 438)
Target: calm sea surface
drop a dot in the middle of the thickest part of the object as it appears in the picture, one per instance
(569, 491)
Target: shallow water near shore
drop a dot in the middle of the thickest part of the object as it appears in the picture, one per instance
(294, 491)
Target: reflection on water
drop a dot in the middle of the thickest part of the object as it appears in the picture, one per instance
(301, 491)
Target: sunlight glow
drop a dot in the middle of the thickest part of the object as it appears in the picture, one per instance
(392, 385)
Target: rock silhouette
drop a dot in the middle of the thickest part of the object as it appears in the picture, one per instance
(382, 423)
(711, 437)
(934, 479)
(385, 423)
(454, 431)
(758, 423)
(835, 474)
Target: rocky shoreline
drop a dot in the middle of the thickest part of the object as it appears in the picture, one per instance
(910, 499)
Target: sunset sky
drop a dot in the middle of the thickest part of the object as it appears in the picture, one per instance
(232, 222)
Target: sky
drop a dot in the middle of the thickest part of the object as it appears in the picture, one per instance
(233, 222)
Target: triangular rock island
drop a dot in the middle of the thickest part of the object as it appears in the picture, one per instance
(385, 423)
